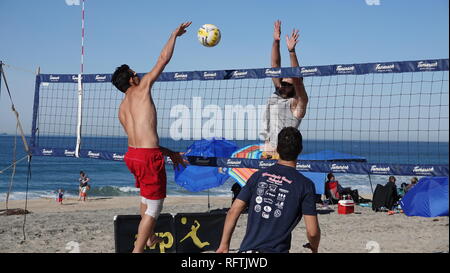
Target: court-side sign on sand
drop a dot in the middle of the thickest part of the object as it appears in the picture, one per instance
(182, 233)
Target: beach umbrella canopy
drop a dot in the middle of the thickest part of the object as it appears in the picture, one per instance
(428, 198)
(198, 178)
(241, 175)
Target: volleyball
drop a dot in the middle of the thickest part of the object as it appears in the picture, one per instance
(209, 35)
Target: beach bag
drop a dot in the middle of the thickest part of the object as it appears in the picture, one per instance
(355, 196)
(379, 197)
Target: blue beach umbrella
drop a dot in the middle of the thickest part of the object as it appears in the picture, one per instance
(198, 178)
(428, 198)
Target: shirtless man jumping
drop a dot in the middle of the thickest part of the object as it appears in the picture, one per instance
(145, 158)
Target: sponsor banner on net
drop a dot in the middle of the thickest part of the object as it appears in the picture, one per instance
(239, 74)
(339, 168)
(209, 75)
(380, 67)
(47, 151)
(53, 78)
(345, 69)
(202, 161)
(419, 170)
(303, 167)
(233, 163)
(69, 153)
(375, 169)
(100, 78)
(270, 72)
(308, 71)
(180, 76)
(424, 65)
(265, 164)
(92, 154)
(118, 157)
(75, 78)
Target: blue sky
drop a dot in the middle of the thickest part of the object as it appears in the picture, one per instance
(46, 34)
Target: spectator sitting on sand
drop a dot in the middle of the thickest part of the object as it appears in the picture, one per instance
(414, 181)
(390, 185)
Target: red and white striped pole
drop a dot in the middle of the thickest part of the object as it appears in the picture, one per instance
(80, 86)
(82, 36)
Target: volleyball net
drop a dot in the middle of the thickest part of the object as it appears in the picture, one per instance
(395, 115)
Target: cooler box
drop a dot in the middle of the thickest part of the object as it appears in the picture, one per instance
(346, 206)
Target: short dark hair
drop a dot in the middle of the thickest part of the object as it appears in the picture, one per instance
(285, 83)
(289, 143)
(329, 176)
(121, 78)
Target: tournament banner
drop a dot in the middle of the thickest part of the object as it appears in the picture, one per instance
(260, 73)
(198, 232)
(182, 233)
(126, 230)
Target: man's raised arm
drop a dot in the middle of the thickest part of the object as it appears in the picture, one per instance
(275, 57)
(165, 56)
(301, 97)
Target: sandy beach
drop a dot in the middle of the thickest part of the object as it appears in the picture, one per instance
(50, 227)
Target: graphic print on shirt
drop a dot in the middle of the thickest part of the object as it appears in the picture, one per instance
(270, 195)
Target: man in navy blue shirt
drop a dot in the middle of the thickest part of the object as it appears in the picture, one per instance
(277, 197)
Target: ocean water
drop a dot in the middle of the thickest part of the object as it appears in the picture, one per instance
(109, 178)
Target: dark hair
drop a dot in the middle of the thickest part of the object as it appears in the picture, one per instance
(286, 90)
(392, 177)
(81, 172)
(121, 78)
(285, 83)
(329, 176)
(289, 143)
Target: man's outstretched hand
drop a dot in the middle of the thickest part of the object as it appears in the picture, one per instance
(177, 159)
(293, 40)
(182, 28)
(277, 30)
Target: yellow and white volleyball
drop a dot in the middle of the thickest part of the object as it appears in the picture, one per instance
(209, 35)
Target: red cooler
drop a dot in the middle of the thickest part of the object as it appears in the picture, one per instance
(346, 206)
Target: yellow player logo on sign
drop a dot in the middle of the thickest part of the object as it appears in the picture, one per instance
(193, 234)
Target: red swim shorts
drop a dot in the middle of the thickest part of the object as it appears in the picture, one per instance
(147, 166)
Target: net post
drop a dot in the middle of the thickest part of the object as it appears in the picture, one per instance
(1, 70)
(35, 109)
(80, 87)
(79, 116)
